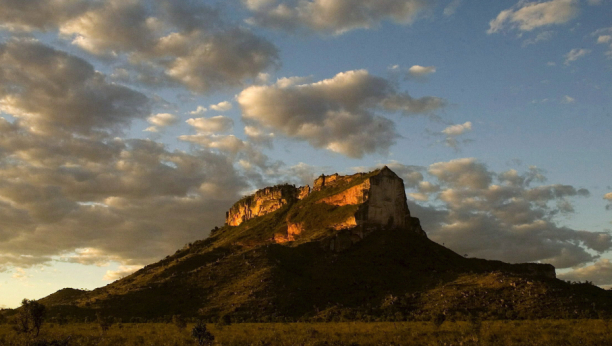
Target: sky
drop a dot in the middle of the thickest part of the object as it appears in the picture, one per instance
(129, 127)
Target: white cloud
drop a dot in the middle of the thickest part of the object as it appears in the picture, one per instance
(420, 72)
(199, 110)
(604, 39)
(123, 271)
(608, 197)
(527, 16)
(454, 131)
(576, 54)
(451, 8)
(336, 114)
(333, 16)
(222, 106)
(457, 130)
(568, 100)
(216, 124)
(163, 119)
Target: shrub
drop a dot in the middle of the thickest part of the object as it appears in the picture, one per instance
(201, 334)
(439, 319)
(30, 317)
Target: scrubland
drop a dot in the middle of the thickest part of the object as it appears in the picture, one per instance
(498, 333)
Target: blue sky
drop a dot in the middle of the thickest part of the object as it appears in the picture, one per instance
(497, 116)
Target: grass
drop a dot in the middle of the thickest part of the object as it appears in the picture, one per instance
(497, 333)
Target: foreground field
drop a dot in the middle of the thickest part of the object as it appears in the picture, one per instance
(498, 333)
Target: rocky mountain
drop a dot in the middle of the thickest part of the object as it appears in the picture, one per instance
(347, 248)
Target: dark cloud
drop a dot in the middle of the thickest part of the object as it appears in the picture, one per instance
(336, 114)
(332, 16)
(50, 90)
(162, 43)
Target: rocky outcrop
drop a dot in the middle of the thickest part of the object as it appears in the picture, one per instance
(263, 202)
(380, 196)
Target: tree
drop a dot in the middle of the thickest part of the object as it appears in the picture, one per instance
(30, 317)
(202, 336)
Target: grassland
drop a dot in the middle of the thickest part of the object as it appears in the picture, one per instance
(498, 333)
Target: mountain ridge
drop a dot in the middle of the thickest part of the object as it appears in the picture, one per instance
(347, 248)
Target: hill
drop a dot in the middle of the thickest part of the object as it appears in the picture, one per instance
(347, 249)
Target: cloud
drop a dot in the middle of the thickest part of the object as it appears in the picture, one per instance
(333, 16)
(451, 8)
(161, 120)
(527, 16)
(336, 114)
(420, 72)
(503, 216)
(50, 91)
(576, 54)
(199, 110)
(88, 256)
(123, 271)
(568, 100)
(222, 106)
(604, 36)
(454, 131)
(216, 124)
(541, 37)
(599, 273)
(162, 42)
(608, 197)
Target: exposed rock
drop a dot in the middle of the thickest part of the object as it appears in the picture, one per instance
(263, 202)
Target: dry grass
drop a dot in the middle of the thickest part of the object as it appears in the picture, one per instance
(498, 333)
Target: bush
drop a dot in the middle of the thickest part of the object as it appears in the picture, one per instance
(202, 336)
(30, 317)
(439, 319)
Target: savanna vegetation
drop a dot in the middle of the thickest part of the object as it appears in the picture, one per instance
(466, 333)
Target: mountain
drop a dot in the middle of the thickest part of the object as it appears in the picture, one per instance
(345, 249)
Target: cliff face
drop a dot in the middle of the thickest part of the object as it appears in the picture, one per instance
(263, 202)
(379, 196)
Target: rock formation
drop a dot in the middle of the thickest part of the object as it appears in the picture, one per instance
(380, 195)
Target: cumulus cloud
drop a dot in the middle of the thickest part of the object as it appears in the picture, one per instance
(166, 42)
(336, 114)
(575, 54)
(50, 91)
(332, 16)
(504, 216)
(608, 197)
(222, 106)
(420, 72)
(604, 36)
(216, 124)
(161, 120)
(199, 110)
(599, 273)
(454, 131)
(527, 16)
(73, 190)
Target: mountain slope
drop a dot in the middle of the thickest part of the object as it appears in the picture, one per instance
(347, 249)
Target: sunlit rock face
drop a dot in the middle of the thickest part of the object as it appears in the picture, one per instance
(263, 202)
(380, 196)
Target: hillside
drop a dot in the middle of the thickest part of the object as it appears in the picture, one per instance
(346, 249)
